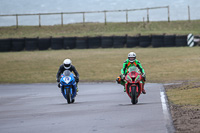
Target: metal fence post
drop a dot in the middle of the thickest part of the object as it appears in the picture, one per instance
(83, 18)
(62, 18)
(188, 13)
(126, 16)
(39, 21)
(16, 21)
(168, 14)
(147, 14)
(105, 18)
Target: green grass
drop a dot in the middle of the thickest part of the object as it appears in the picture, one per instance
(99, 29)
(186, 94)
(161, 64)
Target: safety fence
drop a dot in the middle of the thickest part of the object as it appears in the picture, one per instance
(31, 44)
(126, 11)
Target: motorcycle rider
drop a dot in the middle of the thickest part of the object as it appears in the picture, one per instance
(127, 63)
(67, 65)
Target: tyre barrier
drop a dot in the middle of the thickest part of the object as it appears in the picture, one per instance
(81, 43)
(44, 43)
(106, 42)
(94, 42)
(18, 44)
(157, 41)
(145, 41)
(181, 40)
(5, 45)
(132, 41)
(31, 44)
(56, 43)
(119, 41)
(69, 42)
(169, 40)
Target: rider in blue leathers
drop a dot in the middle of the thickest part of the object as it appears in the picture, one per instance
(68, 77)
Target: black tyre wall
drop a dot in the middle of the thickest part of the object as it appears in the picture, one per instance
(81, 43)
(57, 43)
(132, 41)
(169, 40)
(119, 41)
(5, 45)
(106, 42)
(31, 44)
(145, 41)
(69, 43)
(94, 42)
(44, 43)
(181, 40)
(157, 40)
(18, 44)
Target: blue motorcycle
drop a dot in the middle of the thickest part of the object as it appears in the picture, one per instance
(68, 86)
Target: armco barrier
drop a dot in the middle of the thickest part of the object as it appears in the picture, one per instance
(106, 41)
(44, 43)
(94, 42)
(157, 41)
(31, 44)
(132, 41)
(119, 41)
(18, 44)
(181, 40)
(145, 41)
(57, 43)
(69, 42)
(5, 45)
(81, 43)
(169, 40)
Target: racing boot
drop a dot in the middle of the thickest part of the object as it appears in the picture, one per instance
(143, 90)
(124, 89)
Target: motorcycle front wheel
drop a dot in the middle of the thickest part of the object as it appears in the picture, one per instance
(134, 99)
(67, 95)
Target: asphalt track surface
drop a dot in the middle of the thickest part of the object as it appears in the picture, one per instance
(99, 108)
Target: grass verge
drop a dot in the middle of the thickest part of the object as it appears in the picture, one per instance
(99, 29)
(161, 64)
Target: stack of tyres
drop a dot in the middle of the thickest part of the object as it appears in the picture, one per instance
(169, 40)
(157, 40)
(57, 43)
(44, 43)
(81, 43)
(18, 44)
(119, 41)
(132, 41)
(106, 42)
(181, 40)
(69, 43)
(145, 41)
(5, 45)
(31, 44)
(94, 42)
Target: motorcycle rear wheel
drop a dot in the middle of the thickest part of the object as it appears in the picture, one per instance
(134, 99)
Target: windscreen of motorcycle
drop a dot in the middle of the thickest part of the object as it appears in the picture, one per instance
(133, 68)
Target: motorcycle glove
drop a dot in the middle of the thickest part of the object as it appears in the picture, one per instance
(76, 79)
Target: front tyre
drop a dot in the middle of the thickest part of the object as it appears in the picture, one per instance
(68, 95)
(133, 95)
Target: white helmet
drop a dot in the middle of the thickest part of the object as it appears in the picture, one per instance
(67, 63)
(131, 57)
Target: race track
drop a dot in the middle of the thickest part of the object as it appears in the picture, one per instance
(99, 108)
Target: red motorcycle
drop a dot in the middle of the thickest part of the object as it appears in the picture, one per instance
(134, 84)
